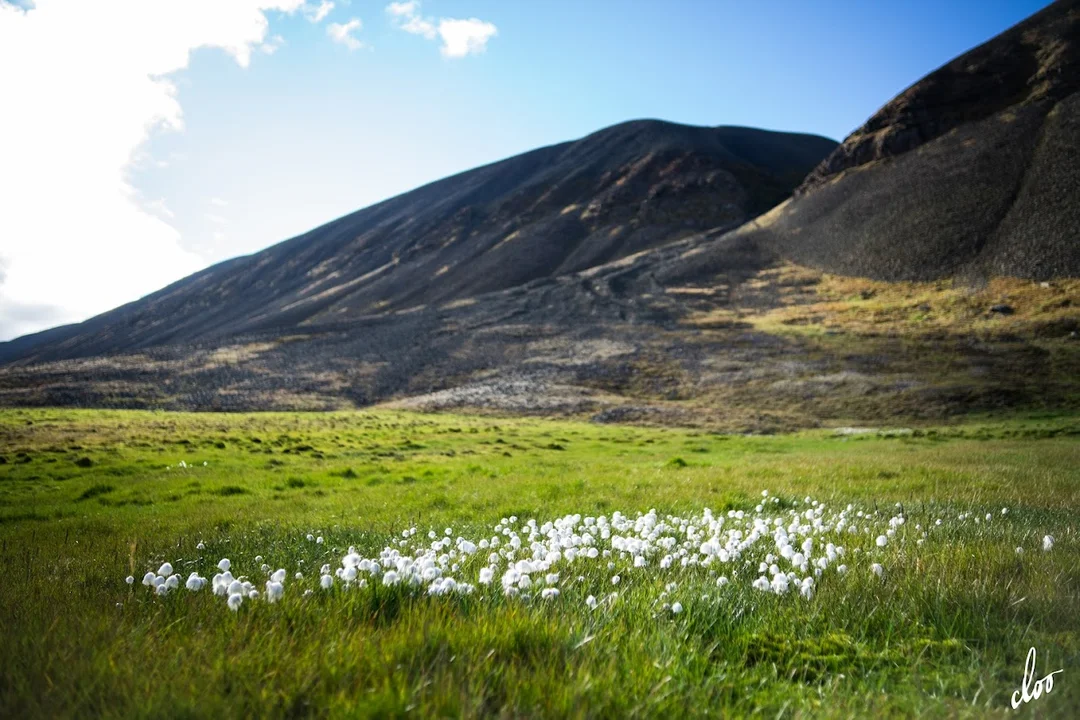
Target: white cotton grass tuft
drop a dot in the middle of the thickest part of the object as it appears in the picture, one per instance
(789, 550)
(274, 591)
(1048, 543)
(130, 579)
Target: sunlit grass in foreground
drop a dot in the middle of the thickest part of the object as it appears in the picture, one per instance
(401, 564)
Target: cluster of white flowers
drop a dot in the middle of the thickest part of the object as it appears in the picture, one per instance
(165, 580)
(770, 550)
(184, 466)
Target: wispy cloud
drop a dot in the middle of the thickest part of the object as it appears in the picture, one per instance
(272, 45)
(160, 208)
(218, 202)
(406, 15)
(342, 33)
(318, 13)
(459, 37)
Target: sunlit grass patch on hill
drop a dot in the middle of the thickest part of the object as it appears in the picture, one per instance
(998, 308)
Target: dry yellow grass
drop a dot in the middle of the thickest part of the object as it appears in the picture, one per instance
(808, 301)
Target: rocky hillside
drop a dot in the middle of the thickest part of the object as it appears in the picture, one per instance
(973, 170)
(546, 213)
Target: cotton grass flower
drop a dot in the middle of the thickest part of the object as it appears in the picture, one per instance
(235, 601)
(794, 550)
(274, 591)
(1048, 543)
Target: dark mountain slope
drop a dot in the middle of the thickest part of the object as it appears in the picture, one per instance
(973, 169)
(551, 211)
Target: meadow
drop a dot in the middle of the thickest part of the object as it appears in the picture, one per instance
(385, 564)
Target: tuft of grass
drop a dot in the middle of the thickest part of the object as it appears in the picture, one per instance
(95, 490)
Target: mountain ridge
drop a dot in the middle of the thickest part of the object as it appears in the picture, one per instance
(549, 211)
(970, 171)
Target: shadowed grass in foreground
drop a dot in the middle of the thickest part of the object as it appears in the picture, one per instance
(86, 499)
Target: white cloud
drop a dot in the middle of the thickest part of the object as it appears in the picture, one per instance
(216, 219)
(158, 206)
(465, 37)
(406, 15)
(318, 13)
(84, 85)
(404, 9)
(218, 202)
(342, 33)
(272, 45)
(459, 37)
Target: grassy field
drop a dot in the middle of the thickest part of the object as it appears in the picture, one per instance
(88, 498)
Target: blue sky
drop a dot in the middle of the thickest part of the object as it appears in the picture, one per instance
(286, 117)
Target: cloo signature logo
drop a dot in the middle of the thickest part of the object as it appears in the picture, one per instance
(1033, 689)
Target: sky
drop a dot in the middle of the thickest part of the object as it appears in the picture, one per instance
(142, 140)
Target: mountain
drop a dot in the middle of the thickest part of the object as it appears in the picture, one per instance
(973, 170)
(726, 278)
(545, 213)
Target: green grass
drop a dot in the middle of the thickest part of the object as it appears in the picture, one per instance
(86, 499)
